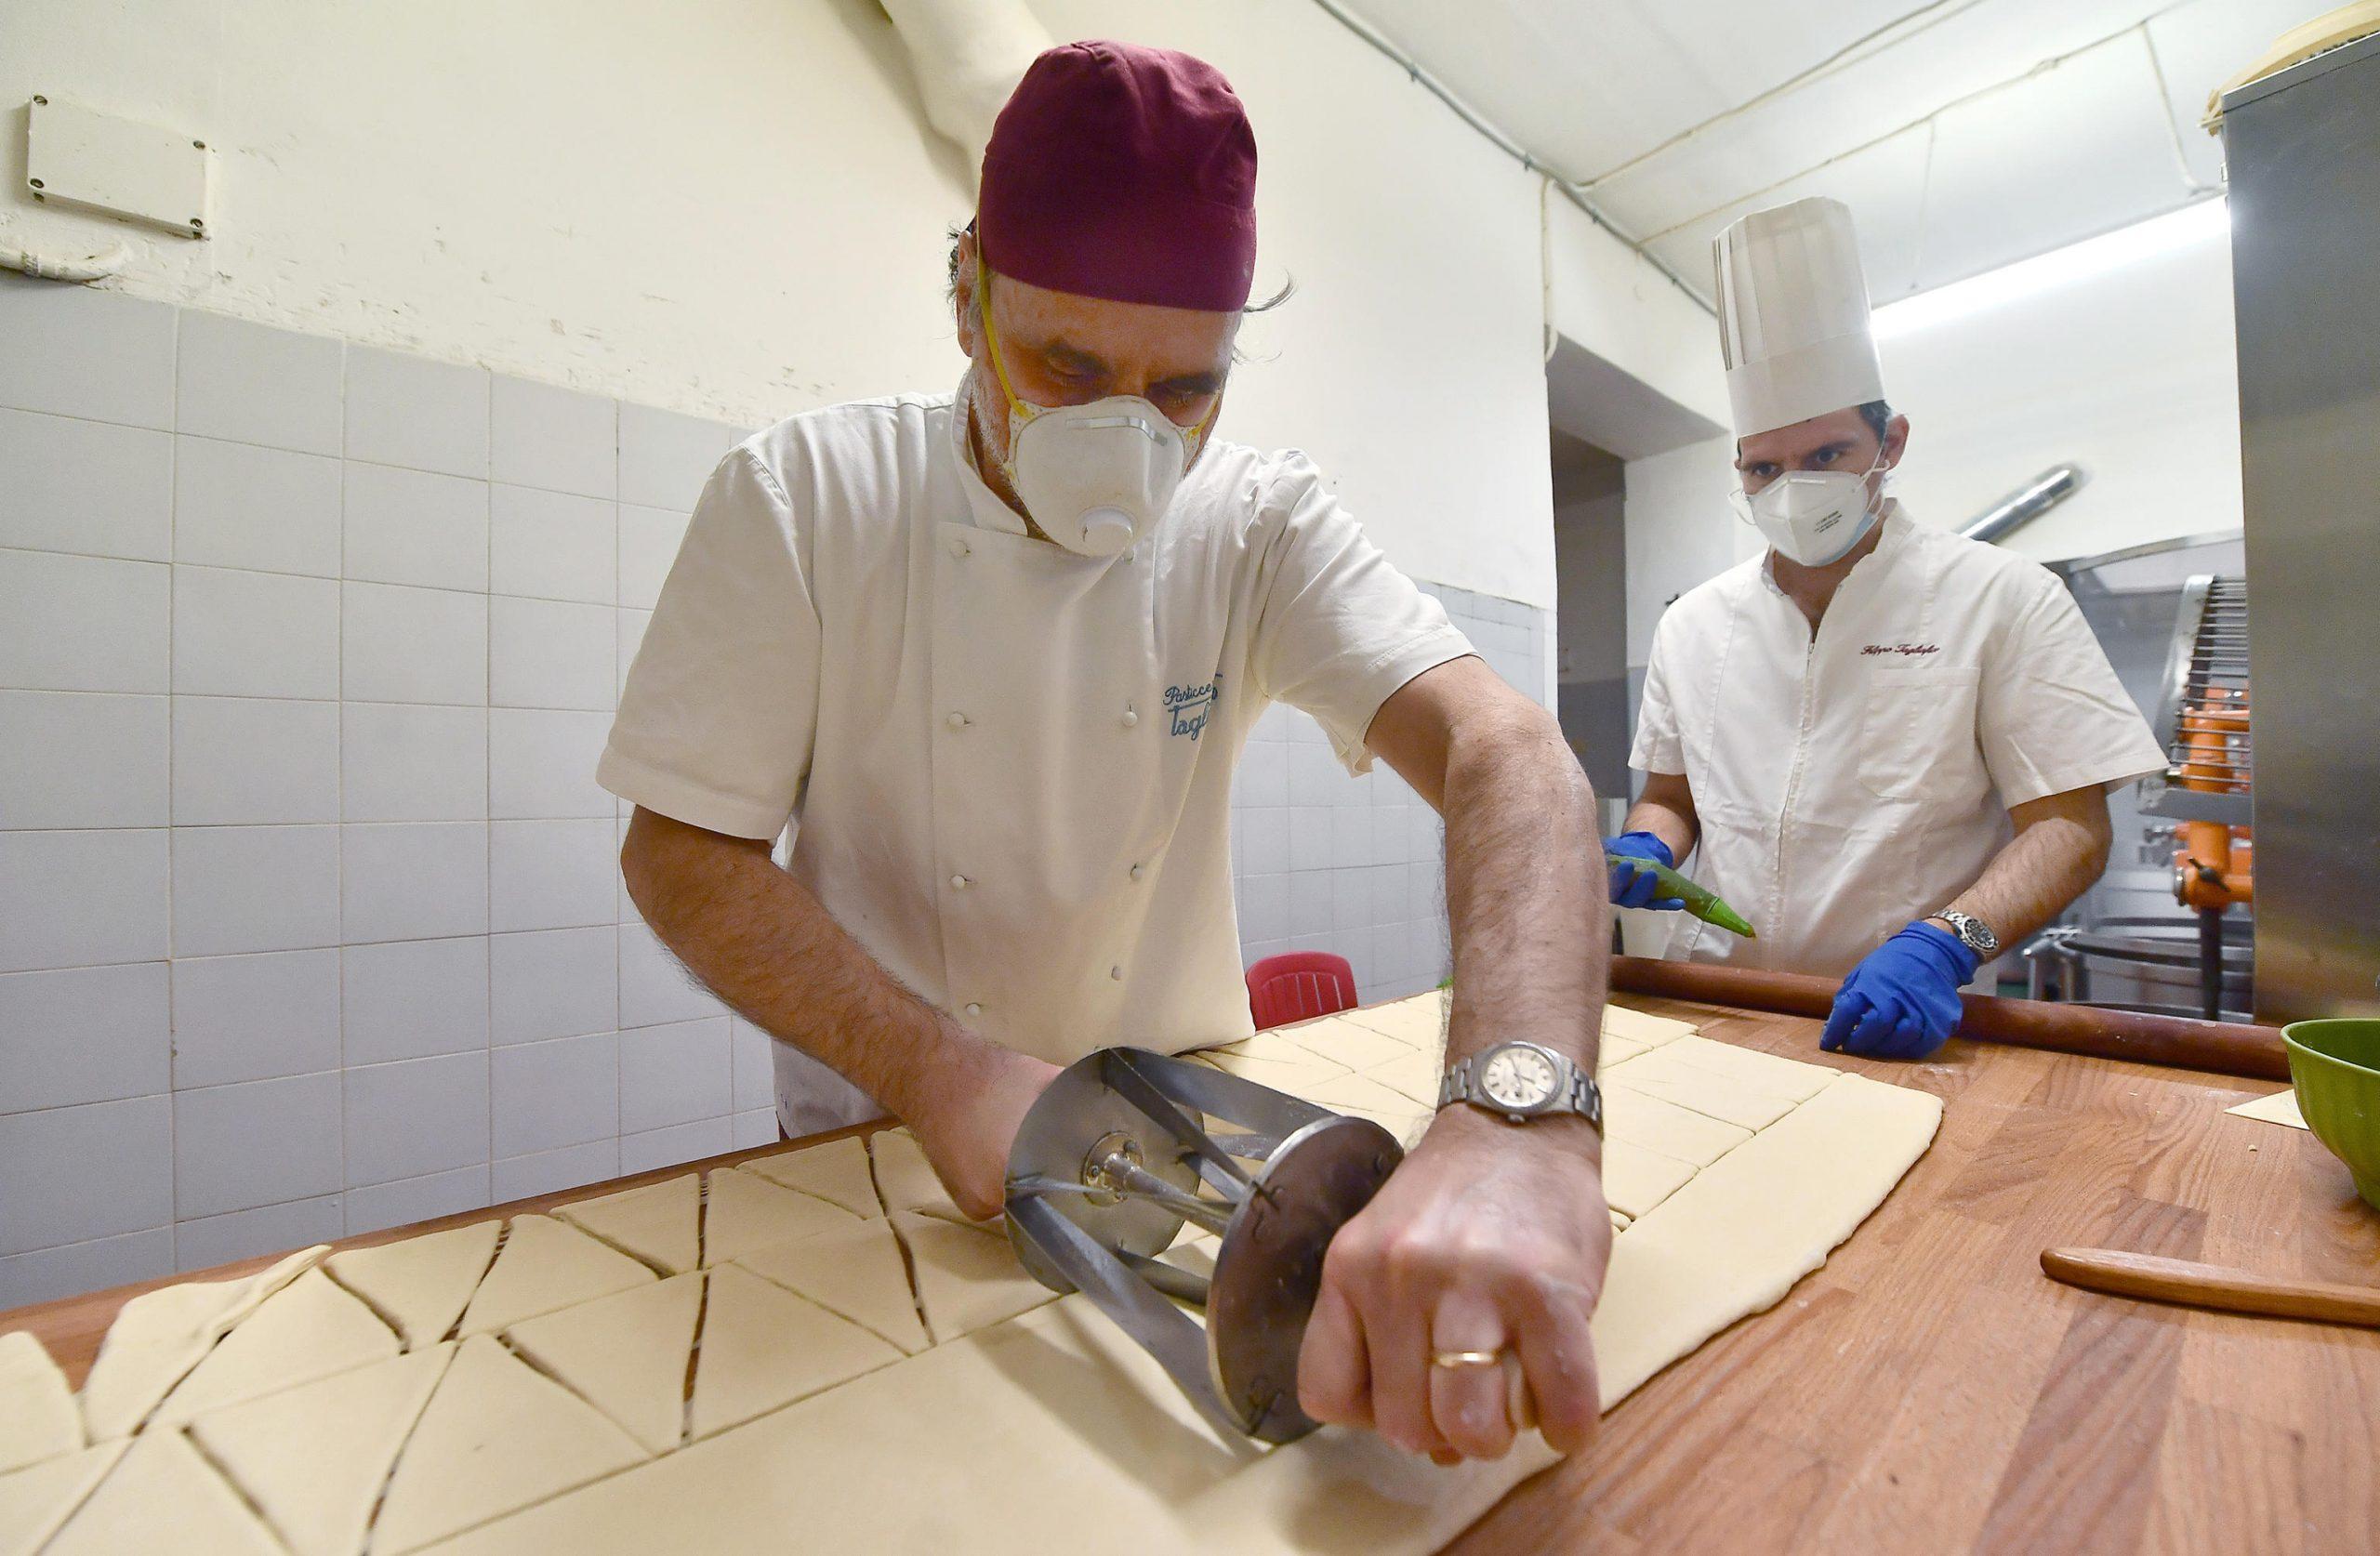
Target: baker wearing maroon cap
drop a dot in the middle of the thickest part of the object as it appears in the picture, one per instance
(992, 656)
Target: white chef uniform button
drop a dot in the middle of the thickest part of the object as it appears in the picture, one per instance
(974, 1009)
(1130, 718)
(956, 720)
(957, 545)
(1139, 870)
(1117, 973)
(959, 883)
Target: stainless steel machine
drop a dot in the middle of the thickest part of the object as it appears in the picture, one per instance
(2303, 148)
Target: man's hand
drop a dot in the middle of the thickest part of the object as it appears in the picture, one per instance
(1634, 888)
(970, 1120)
(1902, 1001)
(1490, 1237)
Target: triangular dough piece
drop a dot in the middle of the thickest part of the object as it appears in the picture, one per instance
(309, 1329)
(164, 1497)
(747, 1213)
(314, 1458)
(161, 1335)
(421, 1284)
(968, 1278)
(660, 1223)
(905, 1179)
(835, 1172)
(36, 1500)
(763, 1347)
(37, 1416)
(498, 1435)
(546, 1266)
(624, 1354)
(854, 1272)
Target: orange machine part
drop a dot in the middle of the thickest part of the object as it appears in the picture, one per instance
(2212, 869)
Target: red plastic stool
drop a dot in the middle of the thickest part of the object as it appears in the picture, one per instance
(1298, 985)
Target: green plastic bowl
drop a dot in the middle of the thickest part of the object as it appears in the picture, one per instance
(2335, 1067)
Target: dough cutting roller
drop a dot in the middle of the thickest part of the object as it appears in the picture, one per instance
(1126, 1147)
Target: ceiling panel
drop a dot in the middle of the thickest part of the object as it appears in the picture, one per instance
(2013, 153)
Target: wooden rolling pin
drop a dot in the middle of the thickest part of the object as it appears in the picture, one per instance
(2225, 1048)
(2119, 1273)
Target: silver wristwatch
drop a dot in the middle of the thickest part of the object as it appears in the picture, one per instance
(1523, 1081)
(1973, 932)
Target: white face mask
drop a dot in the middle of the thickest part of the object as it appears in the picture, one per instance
(1813, 517)
(1095, 478)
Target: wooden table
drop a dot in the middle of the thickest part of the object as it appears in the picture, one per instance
(1929, 1389)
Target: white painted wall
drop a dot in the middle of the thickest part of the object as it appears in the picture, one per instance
(1615, 304)
(735, 210)
(2129, 372)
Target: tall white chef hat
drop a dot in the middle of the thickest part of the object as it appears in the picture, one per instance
(1794, 315)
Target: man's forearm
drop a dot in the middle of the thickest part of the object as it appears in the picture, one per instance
(1666, 809)
(766, 946)
(1529, 926)
(2060, 848)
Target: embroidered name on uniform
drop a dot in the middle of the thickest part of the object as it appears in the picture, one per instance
(1911, 649)
(1189, 707)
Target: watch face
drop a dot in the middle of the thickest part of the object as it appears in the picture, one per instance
(1518, 1077)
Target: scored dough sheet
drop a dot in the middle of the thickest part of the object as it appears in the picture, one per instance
(829, 1354)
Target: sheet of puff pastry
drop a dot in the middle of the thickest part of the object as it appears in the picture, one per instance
(545, 1265)
(624, 1354)
(1059, 1421)
(743, 1212)
(856, 1272)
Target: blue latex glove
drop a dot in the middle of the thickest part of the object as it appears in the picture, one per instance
(1902, 1000)
(1633, 888)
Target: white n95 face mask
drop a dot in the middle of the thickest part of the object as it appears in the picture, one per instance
(1812, 517)
(1095, 478)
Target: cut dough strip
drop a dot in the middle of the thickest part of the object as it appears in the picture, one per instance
(660, 1224)
(159, 1336)
(37, 1416)
(857, 1273)
(835, 1172)
(164, 1496)
(746, 1213)
(36, 1500)
(543, 1266)
(498, 1435)
(968, 1277)
(309, 1329)
(420, 1285)
(624, 1354)
(764, 1348)
(313, 1460)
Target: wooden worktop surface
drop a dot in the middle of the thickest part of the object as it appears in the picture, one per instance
(1929, 1389)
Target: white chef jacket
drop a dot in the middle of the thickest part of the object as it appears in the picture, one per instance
(1850, 780)
(1007, 766)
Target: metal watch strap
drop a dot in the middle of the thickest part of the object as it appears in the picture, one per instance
(1971, 932)
(1580, 1094)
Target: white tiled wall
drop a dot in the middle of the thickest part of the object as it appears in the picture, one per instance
(309, 920)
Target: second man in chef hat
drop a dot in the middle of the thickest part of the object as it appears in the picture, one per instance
(1890, 745)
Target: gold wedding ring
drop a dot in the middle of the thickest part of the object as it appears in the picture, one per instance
(1465, 1358)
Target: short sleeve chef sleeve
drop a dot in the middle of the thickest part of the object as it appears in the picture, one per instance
(716, 721)
(2052, 717)
(1658, 747)
(1338, 629)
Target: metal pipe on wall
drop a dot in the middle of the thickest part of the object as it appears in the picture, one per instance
(2026, 504)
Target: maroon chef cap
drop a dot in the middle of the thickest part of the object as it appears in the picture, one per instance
(1123, 173)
